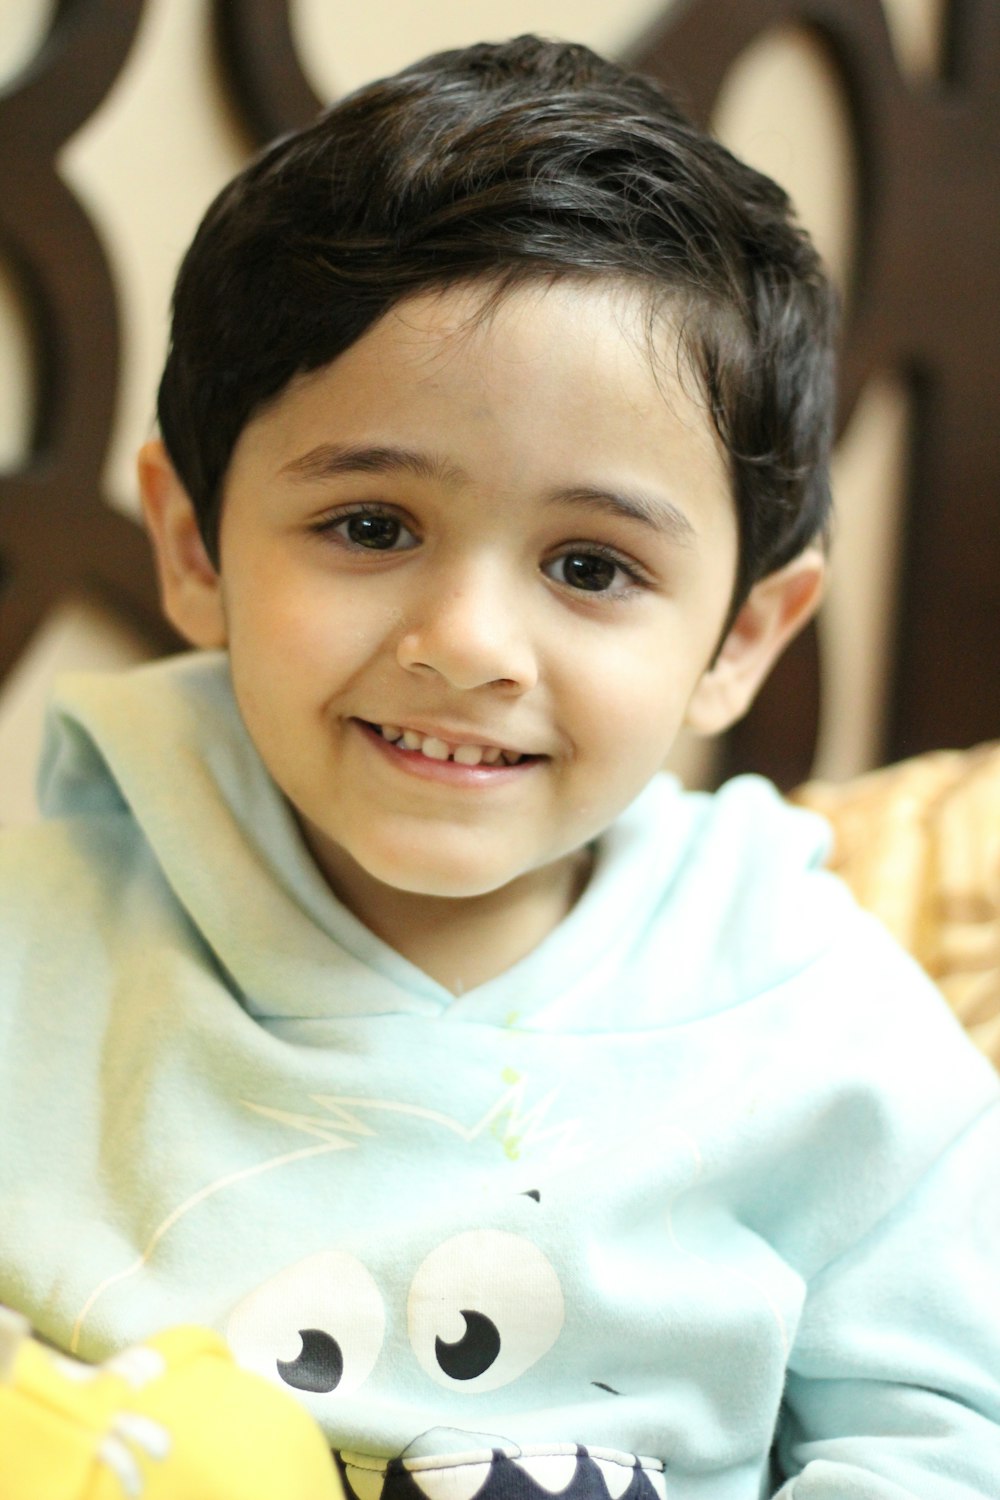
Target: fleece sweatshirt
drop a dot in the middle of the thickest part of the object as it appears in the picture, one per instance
(699, 1200)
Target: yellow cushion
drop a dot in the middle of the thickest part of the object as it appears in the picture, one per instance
(919, 844)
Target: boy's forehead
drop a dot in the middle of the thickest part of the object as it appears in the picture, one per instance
(615, 312)
(606, 335)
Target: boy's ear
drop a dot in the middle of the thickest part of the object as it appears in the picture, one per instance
(774, 612)
(190, 586)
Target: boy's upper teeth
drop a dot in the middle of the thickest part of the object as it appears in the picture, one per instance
(437, 749)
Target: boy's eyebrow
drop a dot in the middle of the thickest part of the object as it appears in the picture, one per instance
(655, 511)
(328, 460)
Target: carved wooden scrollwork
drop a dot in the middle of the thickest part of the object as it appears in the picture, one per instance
(925, 303)
(57, 534)
(258, 50)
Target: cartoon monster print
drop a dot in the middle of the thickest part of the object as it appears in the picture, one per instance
(392, 1301)
(482, 1308)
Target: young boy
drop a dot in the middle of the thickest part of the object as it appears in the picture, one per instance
(368, 996)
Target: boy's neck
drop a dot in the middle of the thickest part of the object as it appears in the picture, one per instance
(464, 942)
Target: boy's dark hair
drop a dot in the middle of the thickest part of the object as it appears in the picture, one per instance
(504, 163)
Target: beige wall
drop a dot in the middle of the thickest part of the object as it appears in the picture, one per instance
(146, 164)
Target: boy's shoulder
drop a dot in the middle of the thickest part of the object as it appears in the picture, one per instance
(111, 738)
(103, 728)
(725, 892)
(729, 898)
(162, 835)
(751, 818)
(64, 876)
(68, 896)
(723, 845)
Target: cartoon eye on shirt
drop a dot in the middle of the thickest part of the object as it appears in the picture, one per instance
(483, 1308)
(318, 1324)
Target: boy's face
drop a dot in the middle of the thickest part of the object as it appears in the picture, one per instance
(505, 534)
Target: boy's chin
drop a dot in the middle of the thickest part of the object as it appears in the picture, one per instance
(521, 885)
(419, 873)
(444, 882)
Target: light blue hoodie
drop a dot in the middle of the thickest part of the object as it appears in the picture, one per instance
(713, 1166)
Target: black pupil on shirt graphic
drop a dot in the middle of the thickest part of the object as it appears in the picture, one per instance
(319, 1366)
(474, 1352)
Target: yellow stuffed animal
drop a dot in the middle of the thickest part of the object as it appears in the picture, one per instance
(171, 1419)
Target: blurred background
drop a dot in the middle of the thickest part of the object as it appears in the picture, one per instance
(120, 119)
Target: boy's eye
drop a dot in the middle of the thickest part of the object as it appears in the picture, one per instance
(379, 532)
(372, 530)
(593, 573)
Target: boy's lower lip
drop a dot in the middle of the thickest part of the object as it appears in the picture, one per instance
(446, 772)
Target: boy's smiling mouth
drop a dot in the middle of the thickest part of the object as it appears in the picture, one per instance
(433, 747)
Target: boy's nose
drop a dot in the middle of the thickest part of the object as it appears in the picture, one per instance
(470, 634)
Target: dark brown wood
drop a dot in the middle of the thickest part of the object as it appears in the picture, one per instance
(57, 533)
(259, 59)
